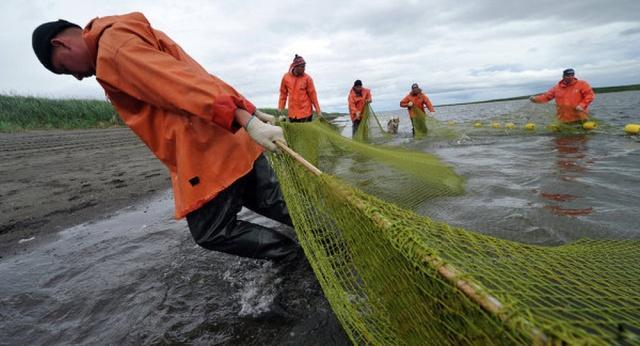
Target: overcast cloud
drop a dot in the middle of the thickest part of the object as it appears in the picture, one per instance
(456, 52)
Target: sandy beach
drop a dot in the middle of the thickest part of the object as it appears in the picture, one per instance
(55, 179)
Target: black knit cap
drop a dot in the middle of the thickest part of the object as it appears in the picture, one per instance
(41, 40)
(357, 83)
(568, 72)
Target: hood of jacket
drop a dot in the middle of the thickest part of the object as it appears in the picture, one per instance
(97, 26)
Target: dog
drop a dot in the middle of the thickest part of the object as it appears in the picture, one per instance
(392, 125)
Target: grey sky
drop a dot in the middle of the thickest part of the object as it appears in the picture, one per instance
(456, 52)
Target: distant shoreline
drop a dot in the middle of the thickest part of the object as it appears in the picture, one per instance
(25, 113)
(600, 90)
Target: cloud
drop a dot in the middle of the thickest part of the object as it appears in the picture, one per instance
(629, 32)
(458, 52)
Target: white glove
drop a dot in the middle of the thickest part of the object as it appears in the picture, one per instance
(532, 98)
(410, 104)
(579, 109)
(264, 134)
(265, 118)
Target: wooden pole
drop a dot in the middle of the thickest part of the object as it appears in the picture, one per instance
(313, 169)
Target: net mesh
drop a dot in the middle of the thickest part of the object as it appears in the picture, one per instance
(393, 276)
(524, 121)
(370, 126)
(419, 122)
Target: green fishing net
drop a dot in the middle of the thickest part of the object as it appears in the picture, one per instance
(370, 126)
(395, 277)
(419, 122)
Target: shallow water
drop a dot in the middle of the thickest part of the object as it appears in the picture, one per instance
(537, 187)
(138, 278)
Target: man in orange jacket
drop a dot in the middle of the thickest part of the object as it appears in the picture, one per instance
(359, 97)
(209, 136)
(415, 101)
(573, 98)
(298, 88)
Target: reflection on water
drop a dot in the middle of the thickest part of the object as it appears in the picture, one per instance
(571, 165)
(570, 156)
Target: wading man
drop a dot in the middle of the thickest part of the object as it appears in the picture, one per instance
(415, 102)
(209, 137)
(297, 87)
(358, 98)
(573, 98)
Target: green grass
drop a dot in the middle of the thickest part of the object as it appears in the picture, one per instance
(19, 113)
(22, 113)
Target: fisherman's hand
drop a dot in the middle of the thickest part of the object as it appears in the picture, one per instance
(410, 104)
(265, 118)
(579, 109)
(532, 98)
(319, 115)
(264, 134)
(358, 115)
(281, 116)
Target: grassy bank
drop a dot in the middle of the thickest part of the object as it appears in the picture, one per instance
(326, 115)
(615, 89)
(18, 113)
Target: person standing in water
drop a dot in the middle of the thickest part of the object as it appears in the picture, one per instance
(415, 103)
(358, 99)
(572, 96)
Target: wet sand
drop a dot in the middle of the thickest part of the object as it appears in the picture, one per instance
(91, 254)
(55, 179)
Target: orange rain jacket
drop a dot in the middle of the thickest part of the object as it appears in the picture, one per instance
(301, 94)
(577, 93)
(180, 111)
(421, 100)
(356, 103)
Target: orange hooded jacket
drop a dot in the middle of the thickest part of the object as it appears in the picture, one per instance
(568, 96)
(357, 103)
(421, 100)
(181, 112)
(301, 94)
